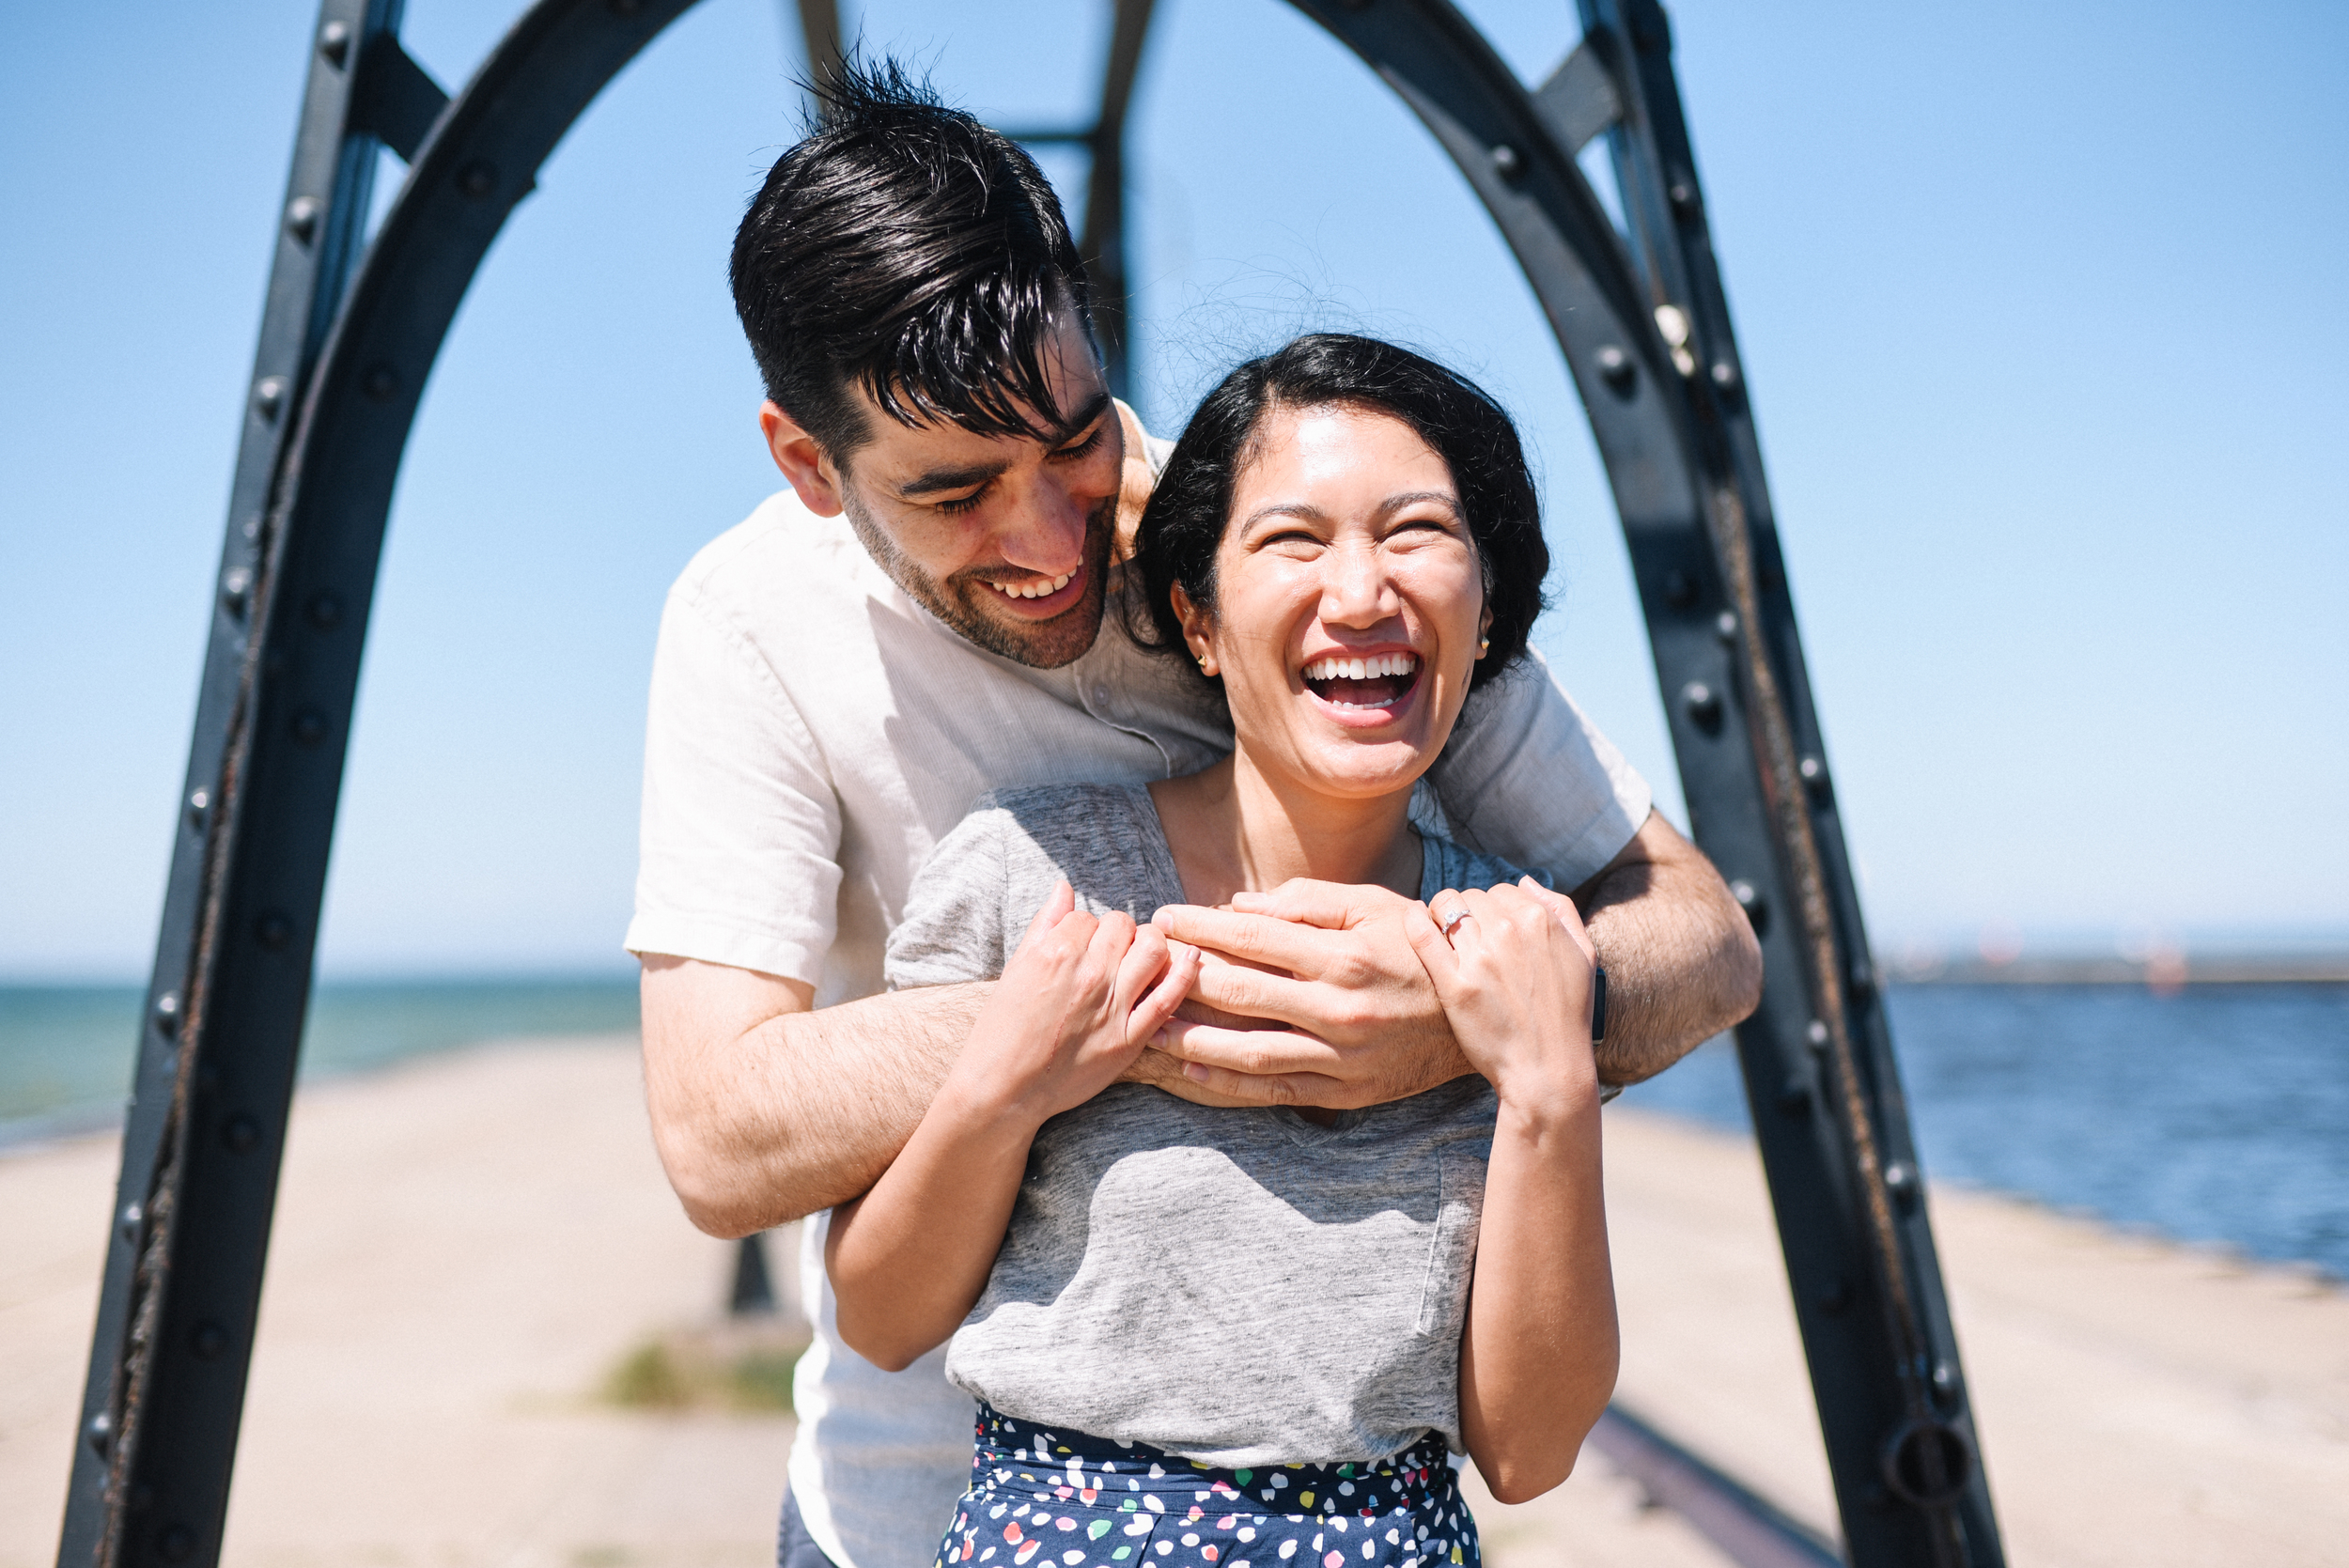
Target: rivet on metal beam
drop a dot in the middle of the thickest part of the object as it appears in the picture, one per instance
(1863, 978)
(234, 588)
(272, 931)
(477, 178)
(379, 382)
(199, 807)
(269, 396)
(309, 726)
(1703, 705)
(1945, 1384)
(335, 42)
(326, 612)
(1837, 1298)
(134, 1214)
(1793, 1096)
(1900, 1180)
(301, 218)
(177, 1543)
(1749, 899)
(1725, 377)
(1679, 592)
(1682, 193)
(1815, 1037)
(1616, 369)
(100, 1431)
(1507, 164)
(167, 1012)
(1725, 625)
(1814, 779)
(208, 1340)
(242, 1136)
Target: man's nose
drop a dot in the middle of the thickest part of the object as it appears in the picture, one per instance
(1047, 530)
(1356, 590)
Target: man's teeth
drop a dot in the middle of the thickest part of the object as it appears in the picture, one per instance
(1040, 588)
(1362, 669)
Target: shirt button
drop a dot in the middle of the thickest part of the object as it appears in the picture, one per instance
(1101, 696)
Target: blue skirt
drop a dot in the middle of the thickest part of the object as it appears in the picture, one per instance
(1057, 1498)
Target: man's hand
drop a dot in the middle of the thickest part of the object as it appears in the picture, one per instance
(1307, 995)
(1318, 999)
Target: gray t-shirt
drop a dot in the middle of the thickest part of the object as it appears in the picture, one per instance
(1238, 1286)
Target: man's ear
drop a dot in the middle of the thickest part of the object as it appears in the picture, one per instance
(1198, 632)
(803, 463)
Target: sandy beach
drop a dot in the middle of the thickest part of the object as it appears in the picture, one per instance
(466, 1247)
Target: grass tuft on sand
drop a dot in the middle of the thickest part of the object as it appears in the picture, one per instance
(741, 1367)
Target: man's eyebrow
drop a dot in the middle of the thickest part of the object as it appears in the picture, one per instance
(964, 476)
(1084, 418)
(957, 478)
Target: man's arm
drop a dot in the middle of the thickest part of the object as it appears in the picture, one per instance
(1363, 1023)
(1681, 959)
(764, 1109)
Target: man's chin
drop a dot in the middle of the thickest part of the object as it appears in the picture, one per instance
(1039, 645)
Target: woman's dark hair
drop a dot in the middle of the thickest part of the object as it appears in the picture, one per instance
(906, 248)
(1191, 505)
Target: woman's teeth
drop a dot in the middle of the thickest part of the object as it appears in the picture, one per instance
(1362, 669)
(1039, 588)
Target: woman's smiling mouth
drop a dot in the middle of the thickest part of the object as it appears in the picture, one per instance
(1380, 681)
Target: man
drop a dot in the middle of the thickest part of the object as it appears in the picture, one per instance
(829, 697)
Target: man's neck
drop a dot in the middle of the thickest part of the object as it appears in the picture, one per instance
(1236, 828)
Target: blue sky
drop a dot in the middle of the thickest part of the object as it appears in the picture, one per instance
(2041, 311)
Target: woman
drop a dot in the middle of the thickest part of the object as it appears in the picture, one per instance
(1212, 1336)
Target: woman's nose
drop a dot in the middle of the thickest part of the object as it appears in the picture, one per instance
(1354, 589)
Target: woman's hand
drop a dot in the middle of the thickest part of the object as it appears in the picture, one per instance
(1077, 1004)
(1513, 967)
(1538, 1358)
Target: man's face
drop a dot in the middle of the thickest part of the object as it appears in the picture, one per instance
(1006, 539)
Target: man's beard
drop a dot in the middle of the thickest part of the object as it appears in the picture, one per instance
(964, 600)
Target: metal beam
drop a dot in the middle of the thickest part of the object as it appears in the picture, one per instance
(1103, 240)
(1828, 1111)
(819, 36)
(231, 984)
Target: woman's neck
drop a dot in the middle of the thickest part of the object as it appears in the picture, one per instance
(1236, 828)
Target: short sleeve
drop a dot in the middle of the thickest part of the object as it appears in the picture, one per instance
(740, 838)
(955, 927)
(1528, 778)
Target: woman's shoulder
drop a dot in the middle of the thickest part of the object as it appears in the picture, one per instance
(1052, 808)
(1447, 864)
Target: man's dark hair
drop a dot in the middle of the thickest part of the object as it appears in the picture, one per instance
(1190, 509)
(905, 248)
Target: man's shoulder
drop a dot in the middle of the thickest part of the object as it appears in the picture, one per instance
(780, 554)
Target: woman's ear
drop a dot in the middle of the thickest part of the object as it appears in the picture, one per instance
(1198, 631)
(1484, 634)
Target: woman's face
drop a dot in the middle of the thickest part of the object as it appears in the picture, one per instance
(1349, 602)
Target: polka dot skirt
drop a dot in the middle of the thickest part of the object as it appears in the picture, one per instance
(1056, 1498)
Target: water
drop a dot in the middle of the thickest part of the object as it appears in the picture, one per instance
(65, 1051)
(2217, 1115)
(2220, 1114)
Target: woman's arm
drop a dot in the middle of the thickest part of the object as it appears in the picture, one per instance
(909, 1259)
(1538, 1358)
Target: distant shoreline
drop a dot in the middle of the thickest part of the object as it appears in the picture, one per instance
(2321, 970)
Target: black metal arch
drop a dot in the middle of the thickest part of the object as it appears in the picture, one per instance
(346, 347)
